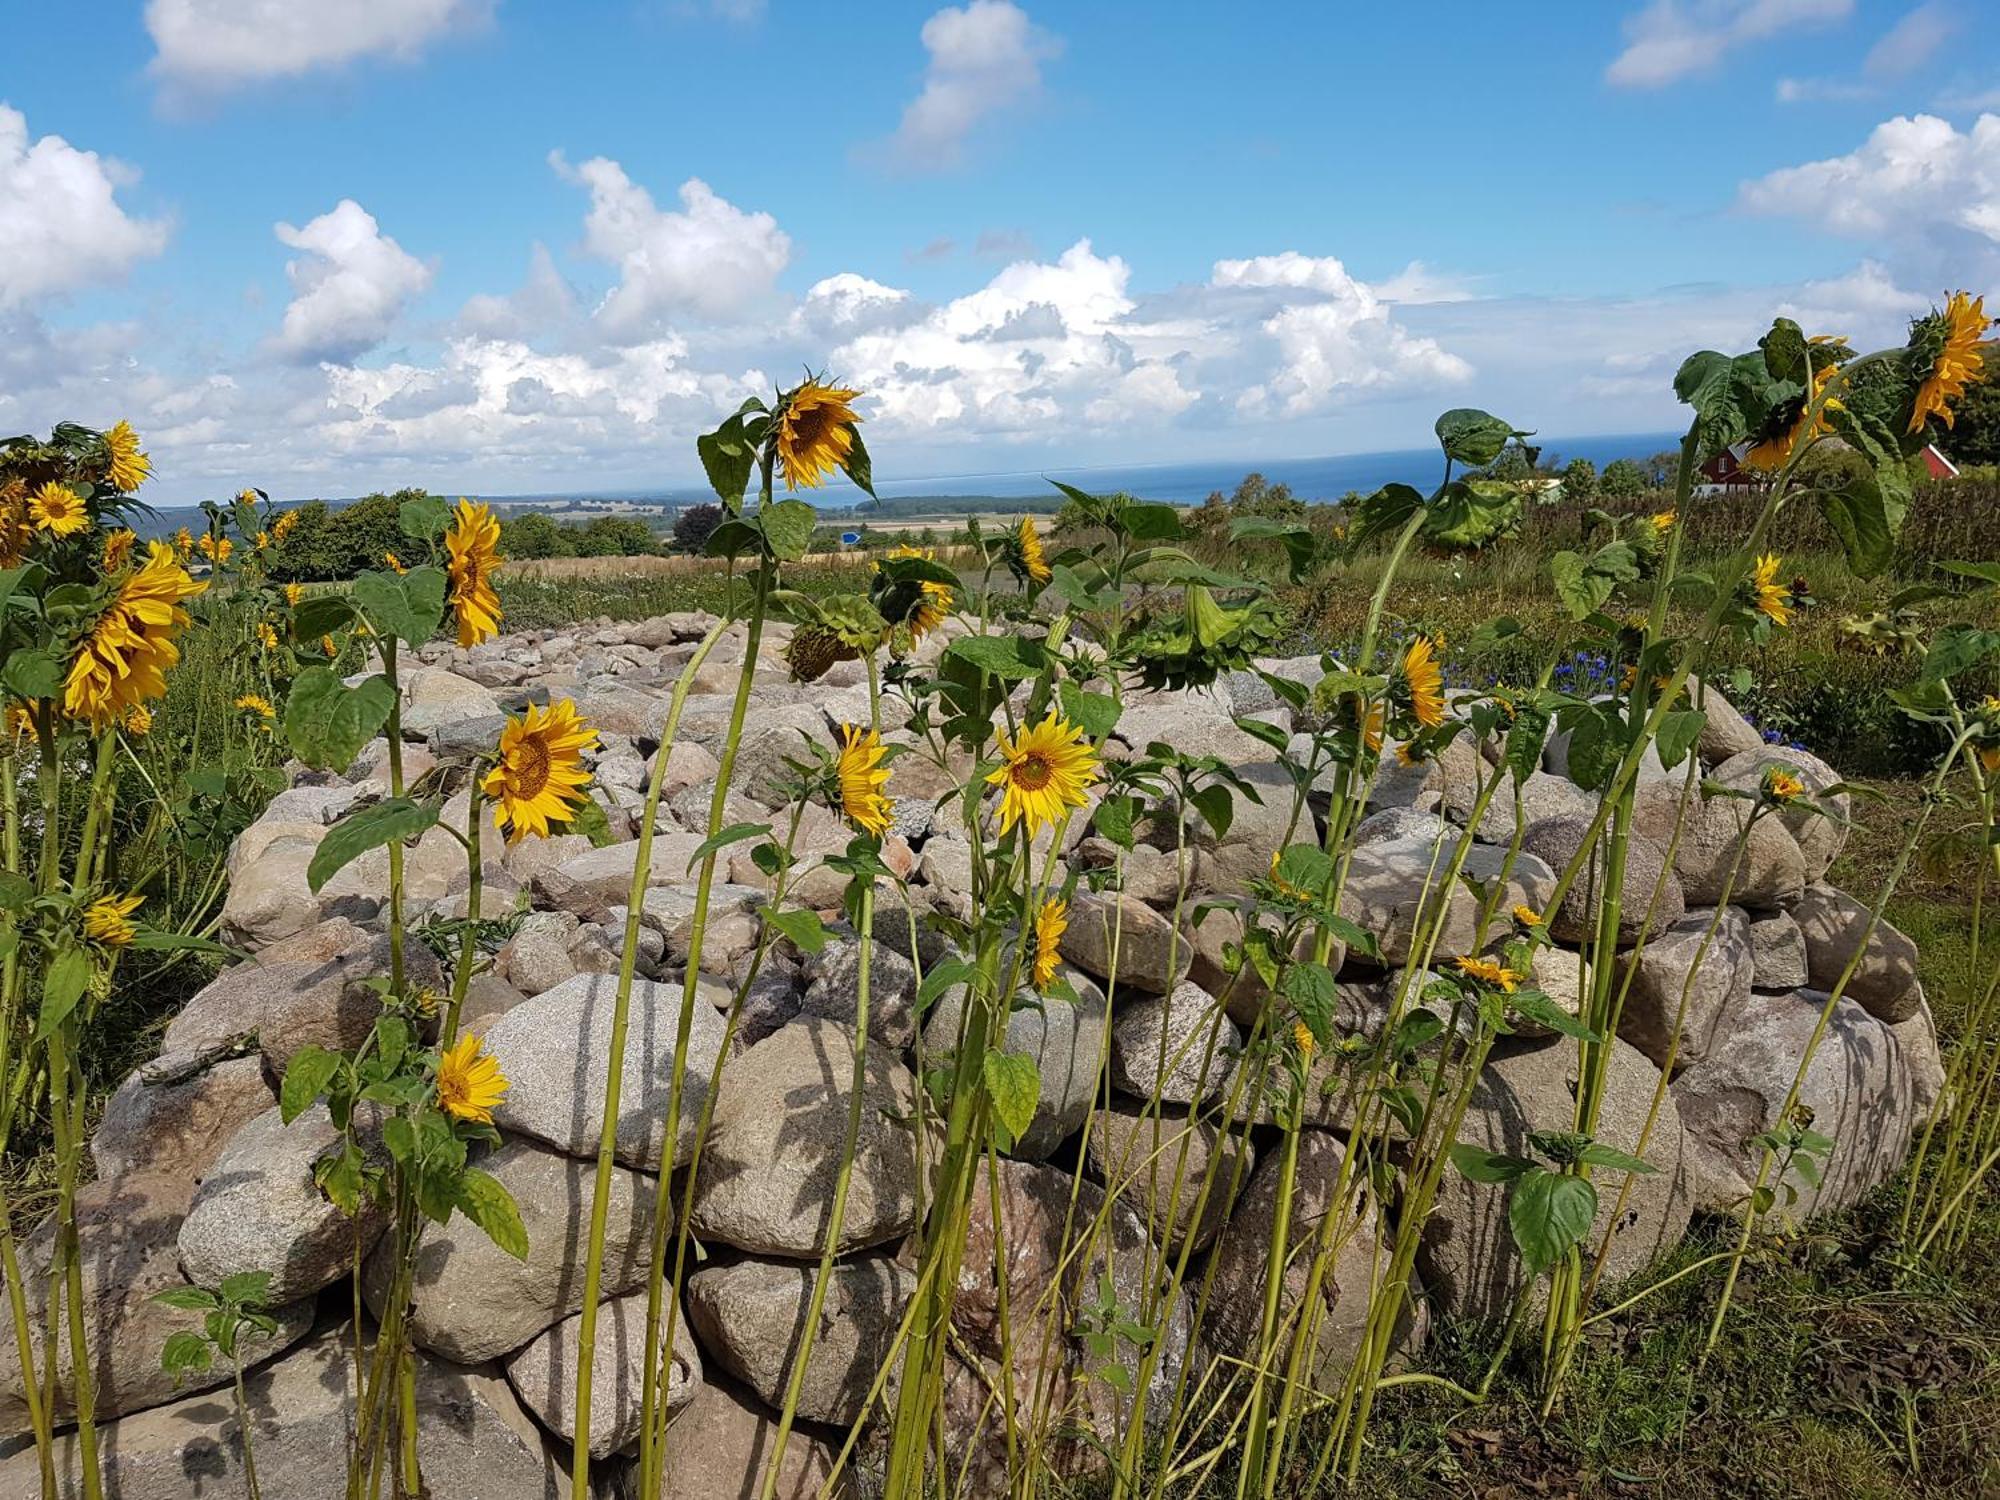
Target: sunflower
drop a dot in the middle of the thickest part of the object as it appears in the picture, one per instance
(935, 606)
(1487, 972)
(259, 705)
(108, 919)
(1407, 754)
(1951, 338)
(294, 592)
(1044, 770)
(58, 510)
(473, 542)
(815, 433)
(1772, 597)
(1049, 928)
(129, 467)
(17, 527)
(862, 777)
(1775, 451)
(1372, 728)
(470, 1084)
(184, 544)
(1783, 786)
(282, 526)
(540, 776)
(118, 550)
(395, 563)
(124, 659)
(1303, 1039)
(1425, 680)
(1663, 521)
(1527, 916)
(267, 635)
(216, 549)
(139, 721)
(329, 649)
(1033, 558)
(263, 540)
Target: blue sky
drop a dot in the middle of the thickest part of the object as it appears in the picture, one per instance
(499, 246)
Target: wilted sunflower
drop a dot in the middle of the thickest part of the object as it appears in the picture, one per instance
(129, 467)
(1045, 769)
(862, 777)
(1487, 972)
(540, 776)
(1033, 559)
(1425, 680)
(1050, 925)
(470, 1084)
(1772, 598)
(473, 542)
(124, 659)
(139, 721)
(58, 510)
(815, 433)
(118, 550)
(108, 919)
(1951, 339)
(935, 607)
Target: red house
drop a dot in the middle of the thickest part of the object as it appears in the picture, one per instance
(1726, 472)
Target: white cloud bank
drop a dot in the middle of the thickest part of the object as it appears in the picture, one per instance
(1673, 39)
(219, 44)
(348, 289)
(61, 226)
(1914, 175)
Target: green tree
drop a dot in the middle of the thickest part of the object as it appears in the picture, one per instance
(1974, 436)
(695, 523)
(614, 536)
(1257, 496)
(533, 535)
(1623, 479)
(1579, 480)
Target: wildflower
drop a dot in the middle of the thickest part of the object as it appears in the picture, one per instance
(139, 721)
(267, 637)
(469, 1082)
(1772, 598)
(862, 777)
(815, 433)
(124, 659)
(215, 548)
(1044, 770)
(259, 705)
(1487, 972)
(1302, 1036)
(540, 776)
(473, 542)
(262, 540)
(184, 544)
(1782, 786)
(1951, 340)
(1033, 558)
(108, 919)
(282, 526)
(1425, 680)
(936, 604)
(395, 563)
(118, 550)
(128, 468)
(294, 592)
(1527, 916)
(58, 510)
(1049, 928)
(1663, 521)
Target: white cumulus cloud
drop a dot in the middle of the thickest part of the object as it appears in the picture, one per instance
(711, 258)
(1671, 39)
(984, 57)
(61, 226)
(223, 43)
(347, 288)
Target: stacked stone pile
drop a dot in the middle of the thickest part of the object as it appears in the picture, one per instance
(199, 1179)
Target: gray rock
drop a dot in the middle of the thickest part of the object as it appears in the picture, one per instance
(751, 1316)
(258, 1209)
(174, 1114)
(1769, 871)
(833, 988)
(1820, 839)
(434, 698)
(1064, 1039)
(1152, 957)
(1724, 732)
(1157, 1162)
(773, 734)
(537, 956)
(1468, 1257)
(775, 1143)
(720, 1446)
(595, 879)
(460, 739)
(1233, 1320)
(310, 989)
(1837, 933)
(127, 1232)
(1777, 952)
(1860, 1089)
(268, 896)
(1392, 881)
(543, 1373)
(476, 1439)
(1181, 1047)
(1917, 1037)
(473, 1301)
(1257, 830)
(1650, 896)
(555, 1051)
(1689, 984)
